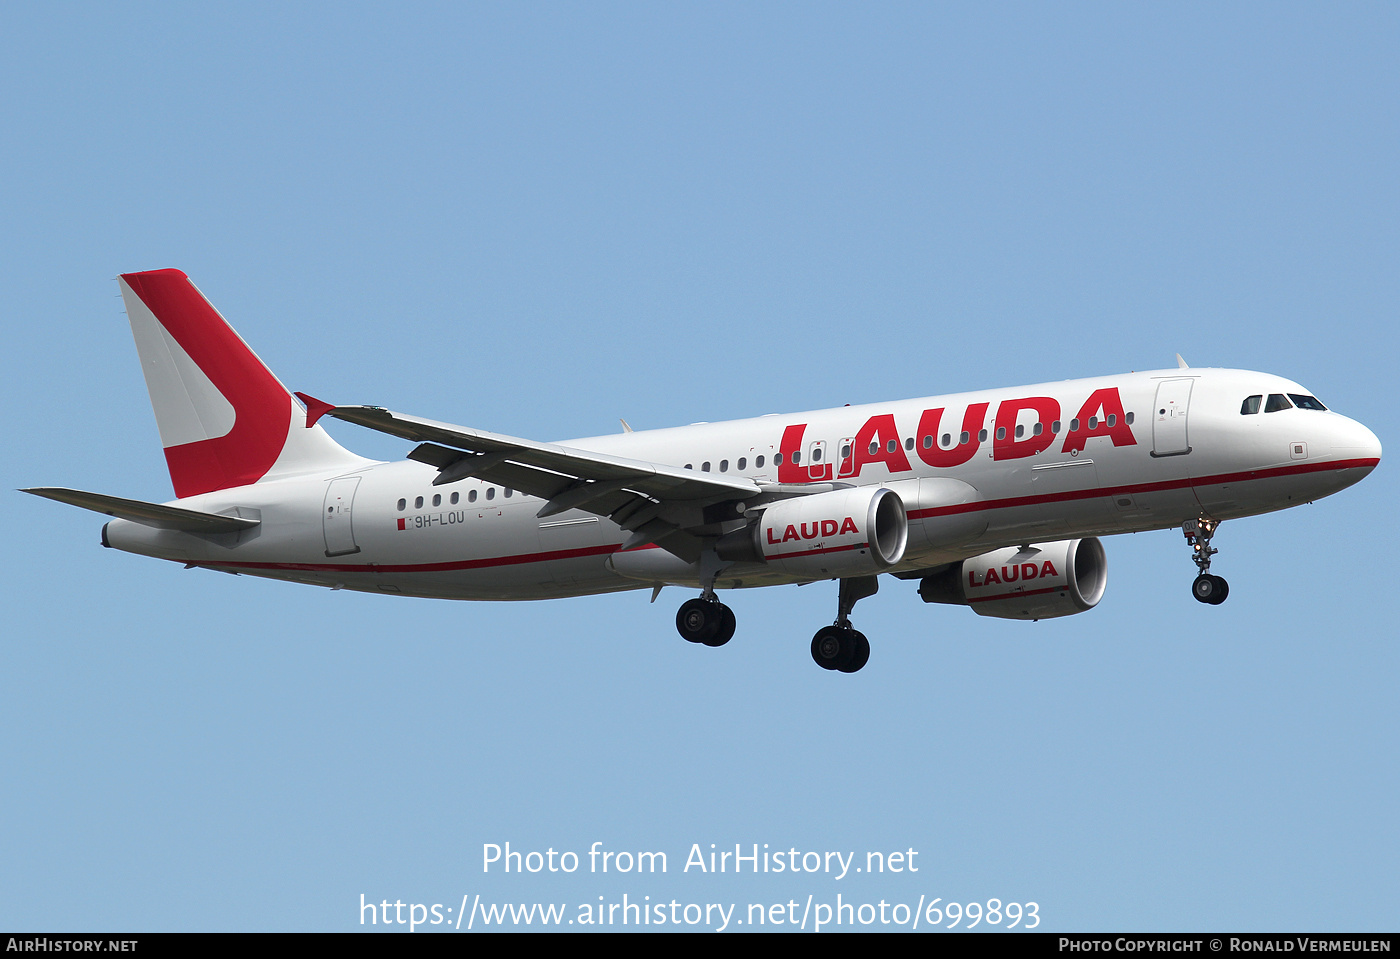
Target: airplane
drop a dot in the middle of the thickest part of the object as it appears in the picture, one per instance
(993, 500)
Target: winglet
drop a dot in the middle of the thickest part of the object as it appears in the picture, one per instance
(1180, 364)
(315, 409)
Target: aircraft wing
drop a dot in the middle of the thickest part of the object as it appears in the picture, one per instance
(658, 503)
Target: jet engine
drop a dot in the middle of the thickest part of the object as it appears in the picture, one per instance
(1024, 582)
(846, 532)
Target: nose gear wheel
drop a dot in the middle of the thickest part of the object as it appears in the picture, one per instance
(1210, 589)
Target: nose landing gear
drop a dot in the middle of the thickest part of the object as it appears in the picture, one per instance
(1206, 588)
(840, 646)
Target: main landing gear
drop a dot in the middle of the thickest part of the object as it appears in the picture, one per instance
(1206, 588)
(841, 646)
(705, 620)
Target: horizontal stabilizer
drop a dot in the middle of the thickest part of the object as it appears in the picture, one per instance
(147, 514)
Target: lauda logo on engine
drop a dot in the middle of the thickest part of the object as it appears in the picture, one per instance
(826, 527)
(879, 440)
(1016, 572)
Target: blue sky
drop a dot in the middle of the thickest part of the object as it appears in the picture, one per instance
(537, 219)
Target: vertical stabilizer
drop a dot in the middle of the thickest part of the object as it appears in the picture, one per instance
(224, 419)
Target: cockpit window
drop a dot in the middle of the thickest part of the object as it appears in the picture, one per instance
(1251, 404)
(1277, 401)
(1304, 402)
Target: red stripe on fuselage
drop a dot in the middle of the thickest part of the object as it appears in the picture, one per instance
(1078, 494)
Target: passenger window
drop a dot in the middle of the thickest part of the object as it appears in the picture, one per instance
(758, 463)
(1074, 425)
(491, 492)
(947, 441)
(928, 442)
(1055, 427)
(796, 457)
(418, 503)
(964, 438)
(1128, 418)
(981, 436)
(437, 499)
(742, 462)
(455, 497)
(909, 443)
(402, 504)
(1001, 432)
(1020, 432)
(1093, 422)
(724, 466)
(705, 466)
(1251, 404)
(777, 459)
(1037, 429)
(874, 448)
(508, 492)
(471, 496)
(891, 446)
(1112, 420)
(1305, 402)
(1277, 401)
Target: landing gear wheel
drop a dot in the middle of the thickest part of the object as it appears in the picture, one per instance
(834, 647)
(700, 621)
(727, 625)
(861, 654)
(1210, 589)
(1222, 590)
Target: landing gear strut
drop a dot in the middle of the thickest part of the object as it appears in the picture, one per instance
(840, 646)
(1206, 588)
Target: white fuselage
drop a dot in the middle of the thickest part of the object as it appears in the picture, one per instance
(1078, 458)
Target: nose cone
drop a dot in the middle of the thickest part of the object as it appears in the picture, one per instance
(1352, 441)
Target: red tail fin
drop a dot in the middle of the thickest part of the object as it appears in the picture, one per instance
(224, 419)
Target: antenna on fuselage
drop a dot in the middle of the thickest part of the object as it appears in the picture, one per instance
(1180, 363)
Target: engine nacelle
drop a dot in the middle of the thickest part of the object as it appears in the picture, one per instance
(1036, 582)
(846, 532)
